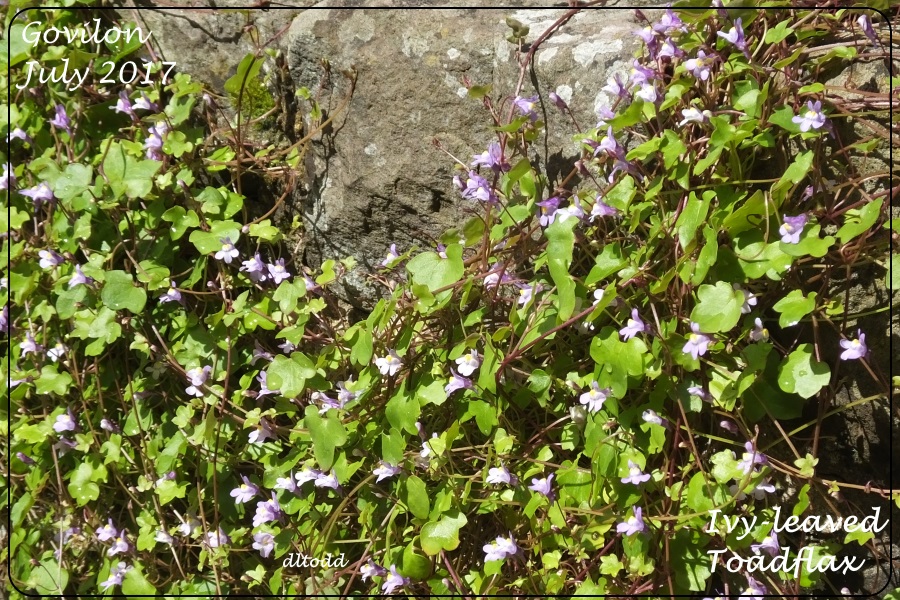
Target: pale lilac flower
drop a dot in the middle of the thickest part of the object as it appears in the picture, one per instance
(188, 525)
(543, 486)
(50, 259)
(198, 377)
(735, 36)
(751, 458)
(264, 542)
(866, 25)
(25, 458)
(640, 74)
(278, 272)
(615, 86)
(468, 362)
(697, 343)
(728, 426)
(700, 66)
(769, 545)
(604, 114)
(500, 549)
(650, 416)
(392, 256)
(595, 398)
(61, 119)
(261, 433)
(755, 590)
(287, 347)
(385, 470)
(699, 392)
(120, 545)
(441, 250)
(635, 474)
(759, 332)
(426, 447)
(390, 364)
(749, 299)
(345, 395)
(572, 210)
(79, 278)
(633, 327)
(286, 483)
(214, 539)
(393, 581)
(791, 229)
(854, 349)
(107, 425)
(154, 142)
(811, 118)
(325, 401)
(259, 352)
(648, 35)
(327, 481)
(598, 296)
(264, 390)
(172, 294)
(30, 345)
(39, 194)
(501, 474)
(144, 103)
(4, 319)
(372, 569)
(526, 293)
(228, 251)
(457, 382)
(527, 106)
(559, 102)
(8, 179)
(608, 144)
(255, 269)
(123, 105)
(633, 524)
(669, 24)
(307, 474)
(602, 209)
(548, 211)
(244, 492)
(763, 488)
(648, 93)
(18, 134)
(107, 532)
(164, 538)
(267, 511)
(670, 50)
(57, 352)
(694, 115)
(478, 188)
(64, 422)
(116, 575)
(492, 158)
(496, 276)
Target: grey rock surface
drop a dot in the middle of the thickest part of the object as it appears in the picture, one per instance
(381, 179)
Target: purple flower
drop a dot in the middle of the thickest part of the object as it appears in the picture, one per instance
(602, 209)
(700, 66)
(496, 276)
(811, 118)
(648, 93)
(120, 545)
(57, 352)
(107, 425)
(548, 211)
(264, 390)
(608, 144)
(278, 272)
(735, 36)
(267, 511)
(856, 348)
(866, 25)
(468, 362)
(491, 158)
(694, 115)
(573, 210)
(384, 470)
(478, 188)
(79, 278)
(264, 542)
(372, 569)
(163, 537)
(648, 35)
(30, 345)
(214, 539)
(501, 474)
(457, 382)
(751, 458)
(527, 106)
(755, 590)
(327, 481)
(107, 532)
(4, 319)
(759, 332)
(244, 492)
(326, 402)
(8, 178)
(650, 416)
(595, 398)
(749, 299)
(25, 458)
(543, 486)
(287, 347)
(633, 524)
(61, 120)
(769, 545)
(559, 102)
(791, 229)
(64, 422)
(262, 433)
(144, 103)
(615, 86)
(116, 574)
(50, 259)
(670, 24)
(699, 392)
(39, 194)
(172, 294)
(228, 251)
(500, 549)
(390, 364)
(392, 255)
(154, 142)
(123, 105)
(633, 327)
(259, 352)
(604, 114)
(763, 488)
(526, 293)
(635, 474)
(18, 134)
(697, 343)
(255, 269)
(198, 377)
(307, 474)
(393, 581)
(640, 74)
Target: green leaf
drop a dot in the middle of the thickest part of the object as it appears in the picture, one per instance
(327, 434)
(783, 118)
(561, 236)
(210, 241)
(169, 489)
(119, 292)
(402, 412)
(433, 393)
(127, 175)
(80, 487)
(858, 220)
(135, 584)
(794, 307)
(430, 270)
(718, 307)
(778, 33)
(247, 70)
(52, 381)
(801, 374)
(443, 534)
(289, 375)
(48, 578)
(795, 173)
(691, 217)
(181, 221)
(416, 497)
(288, 293)
(74, 181)
(692, 568)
